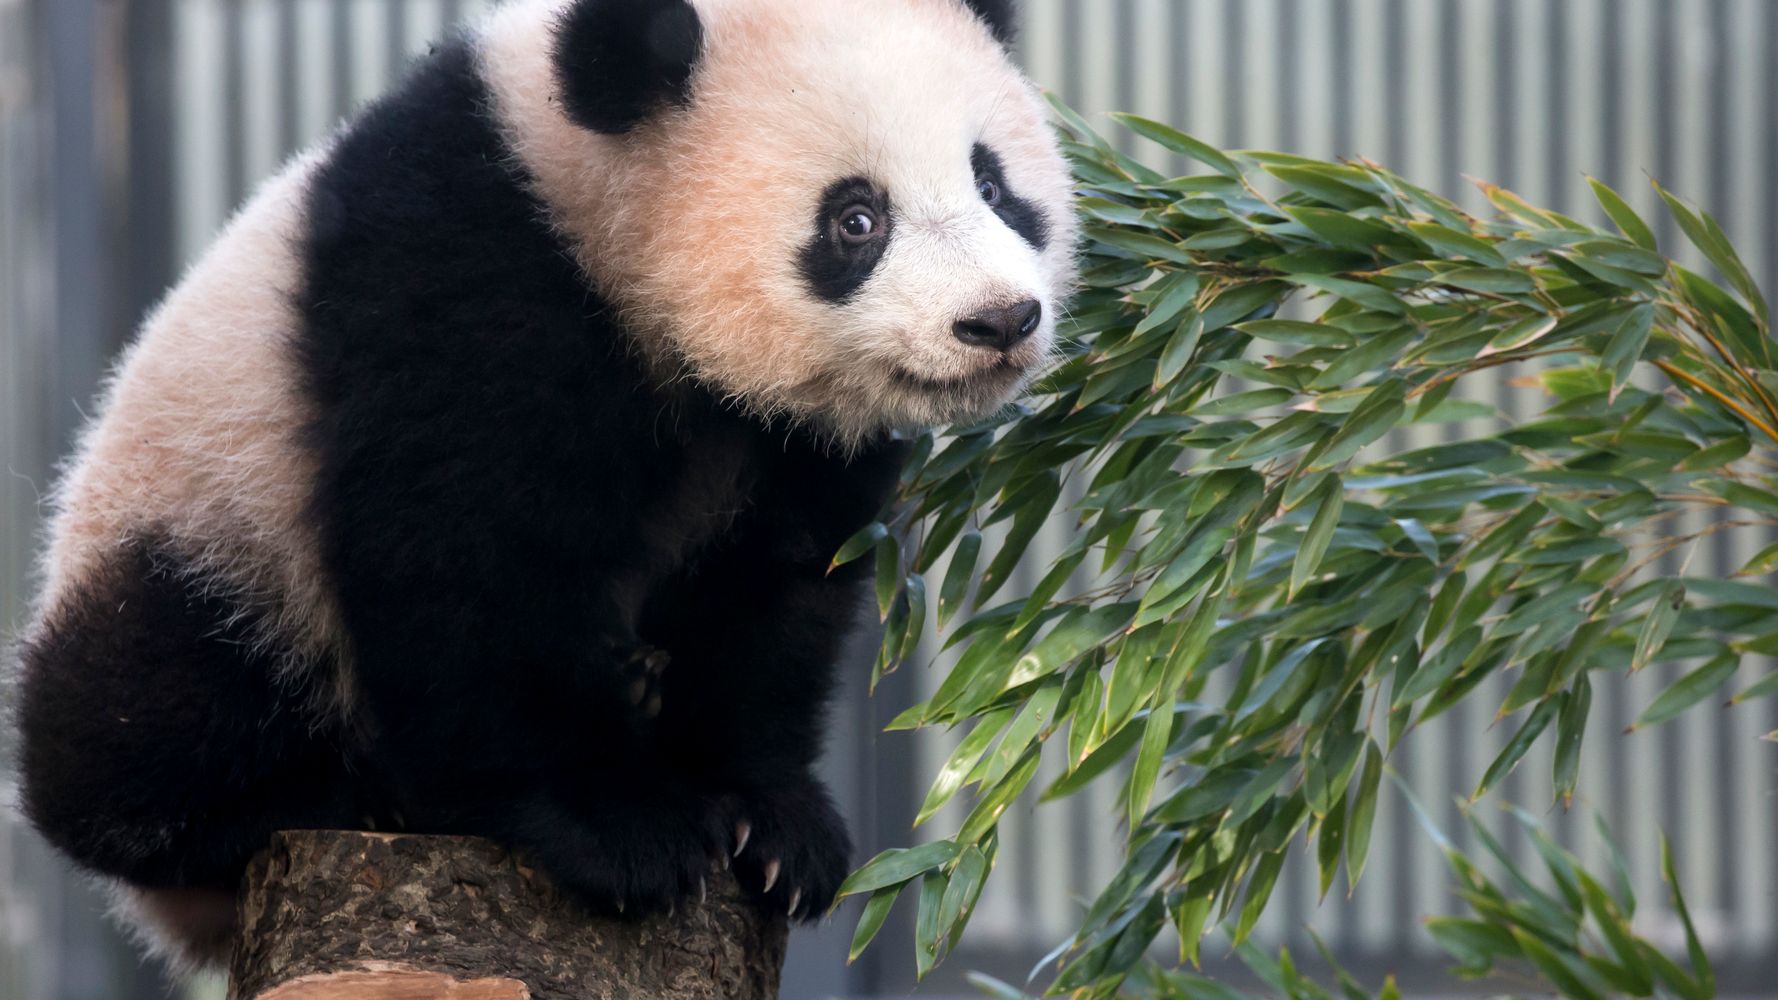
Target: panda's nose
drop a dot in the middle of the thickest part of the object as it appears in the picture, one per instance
(1001, 327)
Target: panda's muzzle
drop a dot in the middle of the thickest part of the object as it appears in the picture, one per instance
(1000, 328)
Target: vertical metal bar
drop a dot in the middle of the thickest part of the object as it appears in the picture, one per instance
(289, 80)
(395, 25)
(345, 86)
(1289, 41)
(1341, 84)
(150, 203)
(234, 114)
(1234, 97)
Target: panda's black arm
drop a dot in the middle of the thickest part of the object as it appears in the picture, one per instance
(756, 634)
(757, 629)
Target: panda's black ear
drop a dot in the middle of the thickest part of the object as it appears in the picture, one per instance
(619, 61)
(1001, 16)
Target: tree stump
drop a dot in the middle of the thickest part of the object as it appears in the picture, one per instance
(331, 915)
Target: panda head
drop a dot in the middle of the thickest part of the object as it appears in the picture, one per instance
(850, 212)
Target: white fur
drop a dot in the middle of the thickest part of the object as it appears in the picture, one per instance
(694, 222)
(197, 446)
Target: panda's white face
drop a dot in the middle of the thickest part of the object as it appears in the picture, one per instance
(860, 216)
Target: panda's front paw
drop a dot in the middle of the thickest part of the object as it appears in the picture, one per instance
(631, 858)
(790, 847)
(643, 670)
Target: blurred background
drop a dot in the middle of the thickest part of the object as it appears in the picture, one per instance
(130, 128)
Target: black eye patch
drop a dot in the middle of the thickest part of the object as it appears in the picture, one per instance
(1020, 216)
(835, 267)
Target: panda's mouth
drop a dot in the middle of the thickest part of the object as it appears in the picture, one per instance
(995, 376)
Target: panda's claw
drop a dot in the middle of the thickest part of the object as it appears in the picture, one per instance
(652, 709)
(703, 890)
(796, 899)
(638, 691)
(772, 868)
(743, 830)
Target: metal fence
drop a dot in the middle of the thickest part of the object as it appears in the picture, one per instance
(192, 101)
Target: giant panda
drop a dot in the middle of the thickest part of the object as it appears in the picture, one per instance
(484, 476)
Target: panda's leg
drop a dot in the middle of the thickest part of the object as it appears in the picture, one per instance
(756, 633)
(754, 648)
(157, 746)
(511, 712)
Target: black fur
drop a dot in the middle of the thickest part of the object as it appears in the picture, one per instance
(1001, 16)
(156, 744)
(1024, 217)
(510, 508)
(619, 61)
(514, 517)
(834, 269)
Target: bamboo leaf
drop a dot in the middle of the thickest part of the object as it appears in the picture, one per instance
(1364, 814)
(897, 865)
(1179, 142)
(1623, 215)
(1327, 507)
(1518, 745)
(1688, 691)
(958, 575)
(1659, 623)
(876, 911)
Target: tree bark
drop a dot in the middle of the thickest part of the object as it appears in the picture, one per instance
(365, 916)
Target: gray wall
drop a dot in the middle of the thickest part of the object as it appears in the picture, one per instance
(120, 161)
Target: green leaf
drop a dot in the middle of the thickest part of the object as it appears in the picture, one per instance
(1567, 977)
(1146, 247)
(1242, 402)
(1614, 926)
(1177, 293)
(1627, 345)
(864, 541)
(1623, 215)
(1375, 417)
(962, 760)
(1156, 731)
(1516, 748)
(1694, 949)
(1708, 237)
(1689, 690)
(1452, 243)
(1492, 280)
(876, 911)
(1343, 230)
(1259, 891)
(960, 893)
(1659, 624)
(1328, 843)
(1327, 506)
(988, 810)
(926, 930)
(1571, 729)
(1368, 296)
(1079, 630)
(1179, 350)
(1364, 814)
(897, 865)
(1377, 352)
(1325, 183)
(958, 576)
(1765, 687)
(889, 577)
(1179, 142)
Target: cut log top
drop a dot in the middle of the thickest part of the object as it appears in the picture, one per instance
(331, 915)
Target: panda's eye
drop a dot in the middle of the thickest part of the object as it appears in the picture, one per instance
(989, 189)
(859, 224)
